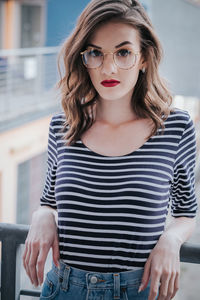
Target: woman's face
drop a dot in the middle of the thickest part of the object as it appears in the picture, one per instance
(124, 39)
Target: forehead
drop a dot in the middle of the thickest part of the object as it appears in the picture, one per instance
(113, 33)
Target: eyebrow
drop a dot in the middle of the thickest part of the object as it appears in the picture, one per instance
(118, 46)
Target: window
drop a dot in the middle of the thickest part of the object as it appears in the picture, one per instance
(31, 177)
(31, 26)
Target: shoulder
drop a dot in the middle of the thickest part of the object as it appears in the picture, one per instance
(58, 121)
(179, 126)
(179, 119)
(179, 115)
(183, 127)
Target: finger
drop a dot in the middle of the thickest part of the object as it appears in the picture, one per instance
(145, 276)
(25, 253)
(176, 285)
(41, 262)
(164, 284)
(155, 282)
(171, 287)
(26, 261)
(32, 264)
(55, 252)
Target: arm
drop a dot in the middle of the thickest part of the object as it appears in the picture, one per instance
(41, 237)
(163, 264)
(43, 230)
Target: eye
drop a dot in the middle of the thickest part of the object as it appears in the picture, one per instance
(94, 53)
(123, 52)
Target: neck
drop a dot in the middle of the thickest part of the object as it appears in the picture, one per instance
(114, 112)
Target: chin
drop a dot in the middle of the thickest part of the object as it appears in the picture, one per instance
(110, 96)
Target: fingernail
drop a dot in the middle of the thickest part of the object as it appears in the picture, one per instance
(141, 287)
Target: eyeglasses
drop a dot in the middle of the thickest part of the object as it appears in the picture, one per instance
(123, 58)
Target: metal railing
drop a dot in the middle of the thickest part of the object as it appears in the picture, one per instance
(27, 80)
(12, 236)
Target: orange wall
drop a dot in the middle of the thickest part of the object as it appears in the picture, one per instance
(9, 18)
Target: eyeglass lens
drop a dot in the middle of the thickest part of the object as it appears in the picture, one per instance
(123, 58)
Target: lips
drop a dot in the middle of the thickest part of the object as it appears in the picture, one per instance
(110, 83)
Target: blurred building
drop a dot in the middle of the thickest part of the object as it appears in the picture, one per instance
(30, 34)
(22, 23)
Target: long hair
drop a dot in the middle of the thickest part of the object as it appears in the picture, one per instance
(150, 99)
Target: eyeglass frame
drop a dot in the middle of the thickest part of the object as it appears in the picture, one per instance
(82, 53)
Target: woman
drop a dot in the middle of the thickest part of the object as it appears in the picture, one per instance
(116, 157)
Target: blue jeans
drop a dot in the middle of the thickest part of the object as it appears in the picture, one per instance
(73, 284)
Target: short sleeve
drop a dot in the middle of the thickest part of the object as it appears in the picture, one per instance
(184, 203)
(48, 195)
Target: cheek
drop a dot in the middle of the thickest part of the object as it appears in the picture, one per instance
(94, 79)
(130, 79)
(92, 75)
(135, 75)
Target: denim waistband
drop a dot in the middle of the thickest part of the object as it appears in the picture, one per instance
(97, 280)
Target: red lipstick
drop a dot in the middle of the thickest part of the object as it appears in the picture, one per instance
(110, 83)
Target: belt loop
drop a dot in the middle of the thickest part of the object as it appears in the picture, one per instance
(117, 286)
(65, 282)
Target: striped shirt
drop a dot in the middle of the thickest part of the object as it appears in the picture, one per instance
(112, 209)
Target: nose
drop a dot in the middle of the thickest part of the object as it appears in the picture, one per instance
(108, 66)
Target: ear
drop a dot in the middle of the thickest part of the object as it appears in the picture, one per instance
(143, 65)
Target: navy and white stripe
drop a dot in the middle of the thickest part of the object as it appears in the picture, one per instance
(112, 210)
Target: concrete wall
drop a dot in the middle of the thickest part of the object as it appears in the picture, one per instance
(17, 146)
(177, 23)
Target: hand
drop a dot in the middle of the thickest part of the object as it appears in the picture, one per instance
(163, 268)
(41, 237)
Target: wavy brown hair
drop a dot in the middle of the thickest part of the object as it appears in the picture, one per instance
(150, 99)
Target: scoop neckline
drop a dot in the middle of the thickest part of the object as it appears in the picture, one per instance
(115, 156)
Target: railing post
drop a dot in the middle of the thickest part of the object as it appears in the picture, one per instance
(8, 276)
(18, 272)
(11, 236)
